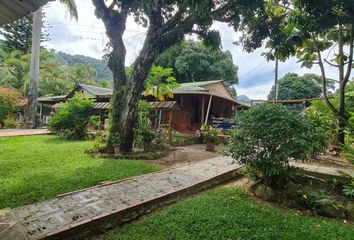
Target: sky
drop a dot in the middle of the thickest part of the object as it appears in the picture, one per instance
(87, 37)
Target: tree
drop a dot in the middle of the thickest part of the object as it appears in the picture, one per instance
(193, 61)
(18, 35)
(293, 86)
(81, 73)
(168, 22)
(307, 29)
(31, 113)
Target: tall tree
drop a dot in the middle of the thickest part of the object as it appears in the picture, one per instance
(193, 62)
(293, 86)
(168, 22)
(309, 30)
(18, 35)
(31, 113)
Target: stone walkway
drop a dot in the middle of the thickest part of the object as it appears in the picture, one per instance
(82, 211)
(22, 132)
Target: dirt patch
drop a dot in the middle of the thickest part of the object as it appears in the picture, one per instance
(243, 182)
(188, 154)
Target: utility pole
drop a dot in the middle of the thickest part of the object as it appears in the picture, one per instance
(276, 79)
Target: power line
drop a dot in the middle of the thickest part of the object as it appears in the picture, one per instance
(250, 71)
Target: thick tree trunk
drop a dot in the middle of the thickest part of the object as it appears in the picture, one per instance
(34, 70)
(141, 68)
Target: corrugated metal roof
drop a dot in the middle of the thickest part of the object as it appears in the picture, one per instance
(97, 91)
(11, 10)
(96, 105)
(165, 105)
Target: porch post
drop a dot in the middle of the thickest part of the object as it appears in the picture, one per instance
(208, 110)
(203, 110)
(170, 117)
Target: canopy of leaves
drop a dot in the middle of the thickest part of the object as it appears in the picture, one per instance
(193, 62)
(71, 120)
(293, 86)
(267, 137)
(160, 82)
(9, 101)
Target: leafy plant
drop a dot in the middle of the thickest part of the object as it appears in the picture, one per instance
(348, 188)
(210, 134)
(144, 135)
(267, 138)
(10, 122)
(71, 120)
(9, 102)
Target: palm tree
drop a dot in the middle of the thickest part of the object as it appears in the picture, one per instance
(34, 64)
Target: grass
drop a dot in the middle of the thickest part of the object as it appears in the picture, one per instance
(37, 168)
(229, 214)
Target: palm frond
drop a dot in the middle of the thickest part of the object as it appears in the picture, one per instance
(71, 7)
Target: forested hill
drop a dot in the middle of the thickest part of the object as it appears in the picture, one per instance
(103, 72)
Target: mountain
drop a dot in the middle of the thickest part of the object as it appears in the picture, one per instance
(103, 72)
(243, 98)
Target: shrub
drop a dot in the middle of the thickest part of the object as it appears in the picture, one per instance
(9, 102)
(269, 136)
(71, 120)
(10, 122)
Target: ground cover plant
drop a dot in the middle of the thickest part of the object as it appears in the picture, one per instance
(229, 214)
(36, 168)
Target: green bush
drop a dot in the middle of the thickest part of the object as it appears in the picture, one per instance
(267, 138)
(71, 120)
(10, 122)
(9, 102)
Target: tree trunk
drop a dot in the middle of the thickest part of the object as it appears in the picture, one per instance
(141, 68)
(34, 70)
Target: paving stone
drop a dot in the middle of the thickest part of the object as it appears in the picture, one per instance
(10, 229)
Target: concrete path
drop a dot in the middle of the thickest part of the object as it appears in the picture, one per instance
(22, 132)
(78, 214)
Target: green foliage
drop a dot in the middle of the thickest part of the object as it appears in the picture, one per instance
(293, 86)
(193, 62)
(71, 120)
(348, 188)
(267, 137)
(229, 214)
(10, 122)
(9, 102)
(103, 74)
(18, 35)
(143, 133)
(41, 167)
(160, 82)
(209, 133)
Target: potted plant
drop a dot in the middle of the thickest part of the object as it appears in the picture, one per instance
(210, 137)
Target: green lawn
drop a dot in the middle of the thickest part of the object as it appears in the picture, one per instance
(229, 214)
(36, 168)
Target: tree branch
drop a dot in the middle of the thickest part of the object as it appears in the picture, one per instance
(331, 64)
(324, 82)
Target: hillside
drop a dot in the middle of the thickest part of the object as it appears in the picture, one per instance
(103, 72)
(243, 98)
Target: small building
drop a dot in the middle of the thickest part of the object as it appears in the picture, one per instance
(192, 104)
(198, 103)
(100, 95)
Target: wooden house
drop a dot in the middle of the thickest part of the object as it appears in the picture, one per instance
(192, 104)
